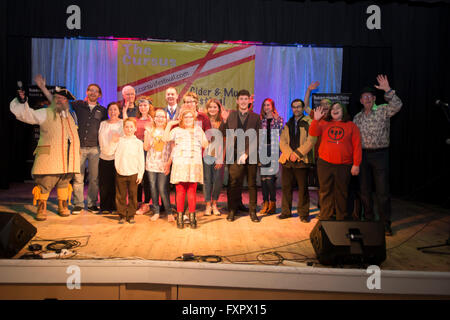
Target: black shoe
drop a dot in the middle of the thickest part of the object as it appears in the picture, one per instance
(77, 210)
(180, 220)
(193, 220)
(253, 216)
(284, 216)
(93, 209)
(388, 230)
(243, 208)
(304, 219)
(231, 214)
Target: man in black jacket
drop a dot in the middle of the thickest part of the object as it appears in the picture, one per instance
(89, 115)
(244, 158)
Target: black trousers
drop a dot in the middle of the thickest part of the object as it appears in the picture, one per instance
(145, 185)
(237, 173)
(107, 184)
(289, 175)
(375, 168)
(334, 180)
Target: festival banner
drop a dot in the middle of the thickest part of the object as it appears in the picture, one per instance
(210, 70)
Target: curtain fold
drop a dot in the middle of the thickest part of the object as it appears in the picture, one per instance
(284, 73)
(77, 63)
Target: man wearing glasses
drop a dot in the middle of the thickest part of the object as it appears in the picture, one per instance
(89, 115)
(374, 124)
(296, 158)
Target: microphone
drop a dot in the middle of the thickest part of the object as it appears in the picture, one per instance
(20, 88)
(441, 103)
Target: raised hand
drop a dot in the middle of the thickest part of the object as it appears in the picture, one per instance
(318, 113)
(383, 83)
(313, 85)
(40, 81)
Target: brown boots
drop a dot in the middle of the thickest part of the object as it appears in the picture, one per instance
(269, 207)
(41, 210)
(63, 208)
(264, 208)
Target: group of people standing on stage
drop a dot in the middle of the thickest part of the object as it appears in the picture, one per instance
(133, 147)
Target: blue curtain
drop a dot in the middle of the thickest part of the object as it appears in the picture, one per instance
(281, 73)
(284, 73)
(77, 63)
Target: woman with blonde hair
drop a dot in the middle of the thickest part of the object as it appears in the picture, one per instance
(187, 166)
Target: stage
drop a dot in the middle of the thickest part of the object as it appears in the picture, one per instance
(139, 260)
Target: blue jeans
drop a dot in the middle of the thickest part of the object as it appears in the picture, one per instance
(212, 180)
(375, 167)
(91, 154)
(159, 183)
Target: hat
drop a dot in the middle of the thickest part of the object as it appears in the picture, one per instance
(65, 93)
(367, 90)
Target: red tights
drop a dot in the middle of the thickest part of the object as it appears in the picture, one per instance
(191, 189)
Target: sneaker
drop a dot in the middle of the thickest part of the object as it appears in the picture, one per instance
(77, 210)
(155, 217)
(208, 210)
(93, 209)
(215, 211)
(143, 209)
(131, 221)
(170, 218)
(121, 221)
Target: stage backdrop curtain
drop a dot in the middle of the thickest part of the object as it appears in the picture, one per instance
(284, 73)
(77, 63)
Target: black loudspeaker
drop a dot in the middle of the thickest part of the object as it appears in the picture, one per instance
(349, 242)
(15, 232)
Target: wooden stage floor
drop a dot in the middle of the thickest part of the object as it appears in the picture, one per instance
(414, 225)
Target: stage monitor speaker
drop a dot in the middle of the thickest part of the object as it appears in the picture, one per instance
(15, 232)
(349, 242)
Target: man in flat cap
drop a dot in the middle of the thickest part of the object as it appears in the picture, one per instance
(57, 155)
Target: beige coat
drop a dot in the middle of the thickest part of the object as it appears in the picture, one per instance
(52, 154)
(307, 142)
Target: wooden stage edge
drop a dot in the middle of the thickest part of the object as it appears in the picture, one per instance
(137, 261)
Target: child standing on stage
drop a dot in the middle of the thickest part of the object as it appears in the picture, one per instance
(187, 167)
(130, 166)
(158, 163)
(144, 119)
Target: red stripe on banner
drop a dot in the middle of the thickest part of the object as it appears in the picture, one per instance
(184, 66)
(195, 75)
(203, 74)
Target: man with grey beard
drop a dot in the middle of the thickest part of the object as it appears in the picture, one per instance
(57, 155)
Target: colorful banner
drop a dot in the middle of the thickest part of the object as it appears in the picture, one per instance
(210, 70)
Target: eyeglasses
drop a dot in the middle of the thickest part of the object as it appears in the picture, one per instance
(297, 107)
(367, 96)
(189, 102)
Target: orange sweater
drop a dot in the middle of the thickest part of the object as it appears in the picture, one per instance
(340, 141)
